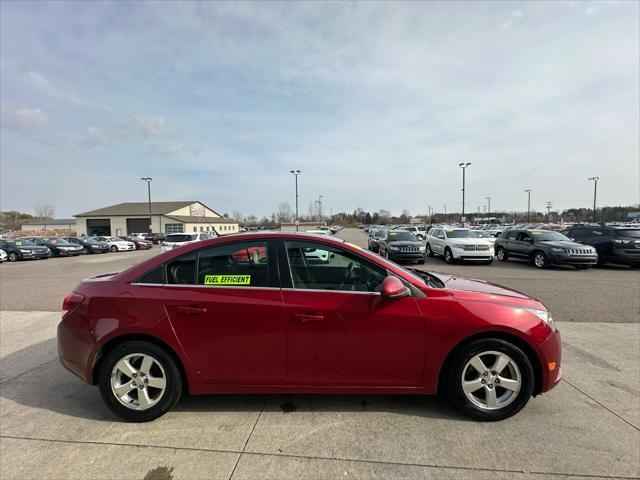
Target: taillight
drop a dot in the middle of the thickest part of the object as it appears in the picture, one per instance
(71, 301)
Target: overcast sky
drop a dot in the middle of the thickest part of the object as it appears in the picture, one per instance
(375, 102)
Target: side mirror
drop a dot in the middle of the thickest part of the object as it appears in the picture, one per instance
(392, 287)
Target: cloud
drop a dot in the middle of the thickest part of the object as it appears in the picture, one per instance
(591, 10)
(132, 129)
(29, 122)
(151, 126)
(95, 137)
(516, 16)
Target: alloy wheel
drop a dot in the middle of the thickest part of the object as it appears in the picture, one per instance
(138, 381)
(491, 380)
(500, 254)
(539, 260)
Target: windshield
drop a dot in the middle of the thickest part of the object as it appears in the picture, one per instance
(402, 236)
(481, 234)
(460, 234)
(57, 241)
(89, 240)
(548, 236)
(629, 233)
(22, 243)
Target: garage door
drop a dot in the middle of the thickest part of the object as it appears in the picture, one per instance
(99, 226)
(137, 225)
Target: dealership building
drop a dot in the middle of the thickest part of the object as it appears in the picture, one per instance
(166, 217)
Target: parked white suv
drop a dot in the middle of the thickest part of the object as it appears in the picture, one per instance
(117, 244)
(458, 244)
(175, 240)
(419, 234)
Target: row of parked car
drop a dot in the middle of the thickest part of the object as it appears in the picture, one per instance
(581, 246)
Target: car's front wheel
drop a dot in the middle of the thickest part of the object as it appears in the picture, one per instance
(540, 260)
(429, 251)
(139, 381)
(501, 254)
(490, 379)
(13, 257)
(113, 248)
(448, 256)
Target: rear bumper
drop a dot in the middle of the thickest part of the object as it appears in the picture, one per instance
(75, 346)
(625, 257)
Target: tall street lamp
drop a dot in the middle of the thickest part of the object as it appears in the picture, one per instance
(528, 203)
(148, 180)
(445, 214)
(488, 199)
(295, 173)
(320, 207)
(595, 191)
(463, 166)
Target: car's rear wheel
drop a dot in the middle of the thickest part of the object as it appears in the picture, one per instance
(429, 251)
(501, 253)
(113, 248)
(448, 256)
(13, 257)
(540, 260)
(490, 379)
(139, 381)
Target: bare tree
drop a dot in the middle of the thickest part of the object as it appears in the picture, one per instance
(237, 216)
(44, 211)
(284, 212)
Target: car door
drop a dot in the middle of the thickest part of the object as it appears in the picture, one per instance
(226, 308)
(522, 245)
(439, 241)
(340, 331)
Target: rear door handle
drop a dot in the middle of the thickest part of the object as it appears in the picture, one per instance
(192, 310)
(307, 317)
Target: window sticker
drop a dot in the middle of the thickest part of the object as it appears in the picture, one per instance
(227, 279)
(18, 243)
(392, 234)
(536, 233)
(597, 232)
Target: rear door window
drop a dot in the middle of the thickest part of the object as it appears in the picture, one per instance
(238, 264)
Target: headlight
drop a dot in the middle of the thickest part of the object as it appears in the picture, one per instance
(459, 246)
(391, 247)
(422, 249)
(557, 249)
(543, 315)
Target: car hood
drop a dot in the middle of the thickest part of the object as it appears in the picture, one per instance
(562, 244)
(470, 241)
(464, 284)
(405, 243)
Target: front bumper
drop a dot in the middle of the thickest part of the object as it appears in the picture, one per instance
(69, 253)
(406, 256)
(563, 259)
(551, 353)
(473, 255)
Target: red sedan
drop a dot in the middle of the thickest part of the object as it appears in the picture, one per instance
(266, 313)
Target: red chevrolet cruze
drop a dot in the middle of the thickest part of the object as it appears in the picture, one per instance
(265, 313)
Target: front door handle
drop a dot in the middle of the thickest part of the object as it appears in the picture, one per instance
(308, 317)
(192, 310)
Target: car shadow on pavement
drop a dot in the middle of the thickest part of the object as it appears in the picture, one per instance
(49, 386)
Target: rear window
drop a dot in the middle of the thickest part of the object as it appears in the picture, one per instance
(629, 233)
(180, 237)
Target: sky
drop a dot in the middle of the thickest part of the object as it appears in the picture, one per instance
(375, 102)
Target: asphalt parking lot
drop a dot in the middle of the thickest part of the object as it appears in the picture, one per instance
(588, 427)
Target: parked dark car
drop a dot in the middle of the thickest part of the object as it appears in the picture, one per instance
(614, 244)
(155, 238)
(90, 245)
(543, 248)
(374, 237)
(401, 246)
(58, 246)
(140, 243)
(21, 249)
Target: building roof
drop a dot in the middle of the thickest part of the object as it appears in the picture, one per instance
(57, 221)
(138, 208)
(187, 219)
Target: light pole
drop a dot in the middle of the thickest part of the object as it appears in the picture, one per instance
(148, 180)
(463, 166)
(488, 199)
(320, 207)
(595, 191)
(445, 214)
(528, 203)
(295, 173)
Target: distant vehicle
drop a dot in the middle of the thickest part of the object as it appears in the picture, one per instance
(156, 238)
(3, 256)
(318, 232)
(116, 244)
(89, 244)
(176, 240)
(420, 234)
(20, 249)
(374, 239)
(459, 244)
(139, 242)
(614, 244)
(59, 247)
(325, 229)
(543, 248)
(400, 246)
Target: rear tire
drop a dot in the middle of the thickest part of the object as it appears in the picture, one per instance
(429, 251)
(164, 371)
(491, 400)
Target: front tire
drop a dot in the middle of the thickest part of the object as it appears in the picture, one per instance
(113, 248)
(429, 251)
(448, 256)
(13, 257)
(490, 379)
(502, 254)
(139, 381)
(540, 260)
